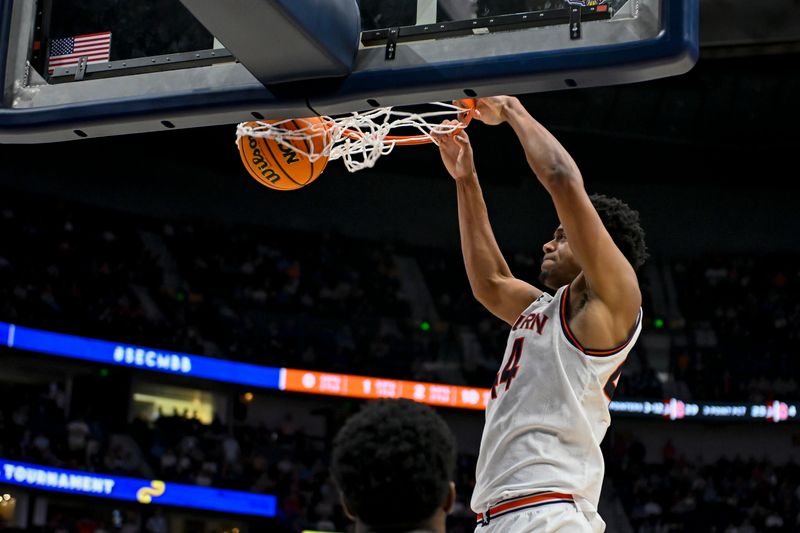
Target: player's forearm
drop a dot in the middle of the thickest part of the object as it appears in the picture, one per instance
(549, 160)
(482, 257)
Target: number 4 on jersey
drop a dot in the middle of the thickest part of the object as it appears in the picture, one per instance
(510, 371)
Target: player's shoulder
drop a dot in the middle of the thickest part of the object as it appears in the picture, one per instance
(543, 299)
(539, 303)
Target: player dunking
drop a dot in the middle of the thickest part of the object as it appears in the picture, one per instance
(540, 467)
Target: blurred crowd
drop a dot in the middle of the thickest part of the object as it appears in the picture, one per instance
(673, 493)
(278, 459)
(678, 493)
(742, 324)
(328, 302)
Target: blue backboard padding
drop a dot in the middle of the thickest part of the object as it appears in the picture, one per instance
(672, 52)
(143, 491)
(129, 355)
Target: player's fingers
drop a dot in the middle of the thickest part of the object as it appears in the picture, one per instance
(445, 143)
(438, 137)
(461, 137)
(457, 126)
(445, 129)
(442, 131)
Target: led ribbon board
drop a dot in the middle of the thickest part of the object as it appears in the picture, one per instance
(675, 409)
(144, 491)
(111, 353)
(370, 387)
(288, 379)
(347, 385)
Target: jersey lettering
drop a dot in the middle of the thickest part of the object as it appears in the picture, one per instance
(512, 367)
(533, 321)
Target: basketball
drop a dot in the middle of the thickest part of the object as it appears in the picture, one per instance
(280, 167)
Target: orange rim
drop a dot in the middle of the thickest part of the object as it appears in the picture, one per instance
(410, 140)
(407, 140)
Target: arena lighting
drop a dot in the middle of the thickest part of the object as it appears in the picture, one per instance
(346, 385)
(143, 491)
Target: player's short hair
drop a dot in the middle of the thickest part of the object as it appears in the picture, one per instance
(393, 462)
(622, 223)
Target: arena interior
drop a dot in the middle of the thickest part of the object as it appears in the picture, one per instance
(169, 326)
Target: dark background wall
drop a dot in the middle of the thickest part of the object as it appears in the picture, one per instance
(681, 218)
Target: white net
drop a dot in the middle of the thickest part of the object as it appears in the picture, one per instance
(360, 138)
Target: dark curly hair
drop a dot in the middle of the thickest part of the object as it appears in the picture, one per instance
(622, 223)
(393, 462)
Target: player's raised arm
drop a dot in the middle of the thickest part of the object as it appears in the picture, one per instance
(490, 278)
(609, 276)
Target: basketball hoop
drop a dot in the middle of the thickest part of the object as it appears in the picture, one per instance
(360, 138)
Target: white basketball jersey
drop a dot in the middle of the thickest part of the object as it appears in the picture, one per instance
(548, 411)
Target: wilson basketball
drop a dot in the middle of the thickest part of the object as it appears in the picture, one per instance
(281, 167)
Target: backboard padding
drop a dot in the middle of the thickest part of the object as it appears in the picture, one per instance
(642, 40)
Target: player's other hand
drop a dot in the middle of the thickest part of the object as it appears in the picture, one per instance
(491, 109)
(456, 153)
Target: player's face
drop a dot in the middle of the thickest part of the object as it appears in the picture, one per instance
(558, 264)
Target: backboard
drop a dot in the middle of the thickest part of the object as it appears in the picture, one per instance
(73, 69)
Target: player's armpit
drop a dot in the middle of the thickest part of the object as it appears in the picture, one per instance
(507, 297)
(609, 275)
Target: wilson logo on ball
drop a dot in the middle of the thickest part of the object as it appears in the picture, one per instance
(284, 166)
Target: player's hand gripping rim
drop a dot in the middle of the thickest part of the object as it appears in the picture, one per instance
(456, 152)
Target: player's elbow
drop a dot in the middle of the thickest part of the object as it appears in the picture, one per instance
(489, 302)
(486, 292)
(559, 176)
(480, 293)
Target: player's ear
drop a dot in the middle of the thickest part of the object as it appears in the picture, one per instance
(450, 499)
(349, 514)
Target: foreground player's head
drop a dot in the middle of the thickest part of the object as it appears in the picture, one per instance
(559, 266)
(394, 462)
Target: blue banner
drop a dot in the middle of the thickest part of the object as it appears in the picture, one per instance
(129, 355)
(135, 490)
(105, 352)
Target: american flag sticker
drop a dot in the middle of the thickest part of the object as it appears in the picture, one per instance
(67, 52)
